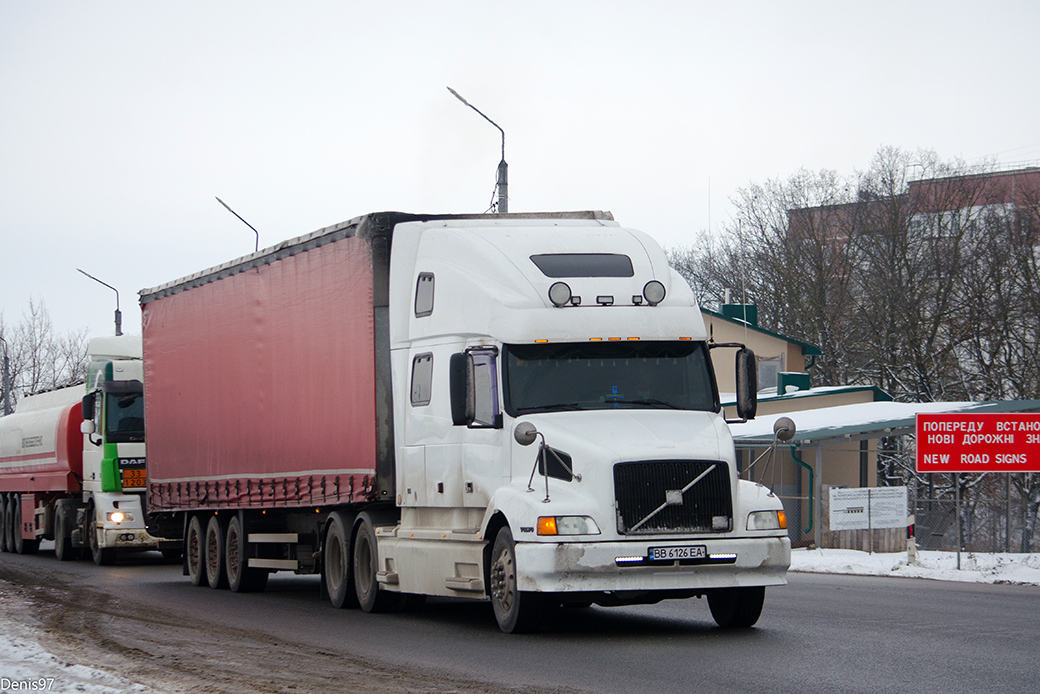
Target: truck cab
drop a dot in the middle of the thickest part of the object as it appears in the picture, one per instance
(112, 514)
(558, 430)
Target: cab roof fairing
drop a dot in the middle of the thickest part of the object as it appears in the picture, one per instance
(486, 284)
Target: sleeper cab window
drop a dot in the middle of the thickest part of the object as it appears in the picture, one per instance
(422, 379)
(424, 294)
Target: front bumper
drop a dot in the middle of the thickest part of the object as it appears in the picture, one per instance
(129, 538)
(562, 567)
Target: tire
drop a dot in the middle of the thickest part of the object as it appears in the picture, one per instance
(63, 548)
(5, 524)
(216, 570)
(337, 569)
(195, 551)
(366, 565)
(517, 612)
(21, 545)
(102, 556)
(736, 608)
(241, 578)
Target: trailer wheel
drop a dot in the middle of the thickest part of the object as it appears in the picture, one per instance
(241, 577)
(4, 525)
(21, 545)
(337, 571)
(194, 551)
(736, 608)
(216, 571)
(366, 566)
(102, 556)
(517, 612)
(63, 548)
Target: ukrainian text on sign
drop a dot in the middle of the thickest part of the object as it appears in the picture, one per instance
(978, 442)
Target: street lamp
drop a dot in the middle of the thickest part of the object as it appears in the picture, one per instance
(119, 316)
(502, 185)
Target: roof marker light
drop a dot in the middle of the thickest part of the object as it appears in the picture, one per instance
(559, 294)
(654, 292)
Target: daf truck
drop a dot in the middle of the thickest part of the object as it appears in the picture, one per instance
(72, 462)
(515, 408)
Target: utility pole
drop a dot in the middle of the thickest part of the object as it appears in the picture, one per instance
(7, 380)
(502, 180)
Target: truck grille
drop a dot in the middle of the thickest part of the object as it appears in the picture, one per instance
(641, 487)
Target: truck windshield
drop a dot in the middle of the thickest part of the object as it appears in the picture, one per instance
(124, 417)
(608, 375)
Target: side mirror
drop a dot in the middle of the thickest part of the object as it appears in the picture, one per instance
(87, 427)
(747, 384)
(88, 408)
(458, 387)
(473, 389)
(525, 433)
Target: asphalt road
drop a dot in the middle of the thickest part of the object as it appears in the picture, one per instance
(818, 634)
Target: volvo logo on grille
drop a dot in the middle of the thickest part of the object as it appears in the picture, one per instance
(673, 497)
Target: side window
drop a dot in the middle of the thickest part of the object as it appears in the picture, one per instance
(483, 404)
(422, 379)
(424, 294)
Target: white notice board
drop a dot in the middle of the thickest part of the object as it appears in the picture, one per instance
(864, 508)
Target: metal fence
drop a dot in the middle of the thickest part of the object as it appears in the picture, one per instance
(985, 526)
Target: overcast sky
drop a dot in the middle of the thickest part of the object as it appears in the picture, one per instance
(120, 121)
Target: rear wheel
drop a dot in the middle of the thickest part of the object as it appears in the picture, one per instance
(337, 569)
(366, 566)
(21, 545)
(5, 525)
(241, 577)
(63, 548)
(517, 611)
(216, 572)
(736, 608)
(194, 551)
(102, 556)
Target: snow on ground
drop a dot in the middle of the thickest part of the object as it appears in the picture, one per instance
(1022, 569)
(26, 666)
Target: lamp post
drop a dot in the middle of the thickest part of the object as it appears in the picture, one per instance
(7, 380)
(502, 184)
(119, 315)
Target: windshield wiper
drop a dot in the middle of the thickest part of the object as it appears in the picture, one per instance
(652, 402)
(557, 406)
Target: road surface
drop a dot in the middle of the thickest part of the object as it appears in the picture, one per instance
(821, 633)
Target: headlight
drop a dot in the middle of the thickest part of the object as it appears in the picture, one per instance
(567, 525)
(120, 516)
(767, 520)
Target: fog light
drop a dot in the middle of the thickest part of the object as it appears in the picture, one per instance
(654, 292)
(559, 294)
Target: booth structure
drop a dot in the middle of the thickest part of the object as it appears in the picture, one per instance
(839, 429)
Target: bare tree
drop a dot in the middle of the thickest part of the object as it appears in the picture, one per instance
(39, 358)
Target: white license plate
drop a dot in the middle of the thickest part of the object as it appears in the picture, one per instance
(669, 553)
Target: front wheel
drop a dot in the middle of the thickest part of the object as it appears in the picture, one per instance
(517, 611)
(736, 608)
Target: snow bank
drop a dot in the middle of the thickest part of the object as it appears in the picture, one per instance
(1021, 569)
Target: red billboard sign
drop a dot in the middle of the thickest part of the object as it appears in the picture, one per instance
(978, 442)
